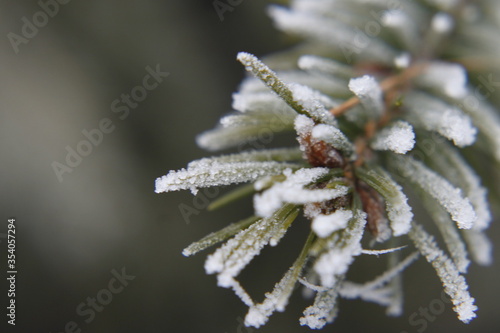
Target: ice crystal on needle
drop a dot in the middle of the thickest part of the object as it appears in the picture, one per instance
(369, 92)
(375, 115)
(399, 138)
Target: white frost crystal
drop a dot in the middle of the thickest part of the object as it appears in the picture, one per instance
(451, 236)
(447, 195)
(442, 23)
(434, 115)
(369, 92)
(303, 125)
(454, 283)
(398, 210)
(449, 78)
(277, 300)
(216, 174)
(310, 101)
(403, 60)
(448, 161)
(323, 311)
(293, 190)
(341, 252)
(334, 136)
(399, 138)
(301, 98)
(324, 225)
(233, 256)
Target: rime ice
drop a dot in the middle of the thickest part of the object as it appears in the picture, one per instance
(399, 138)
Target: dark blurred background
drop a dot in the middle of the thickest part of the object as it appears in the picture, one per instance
(103, 219)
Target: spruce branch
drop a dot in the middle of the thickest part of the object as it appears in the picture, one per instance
(376, 115)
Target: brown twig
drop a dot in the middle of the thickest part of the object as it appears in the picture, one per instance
(390, 83)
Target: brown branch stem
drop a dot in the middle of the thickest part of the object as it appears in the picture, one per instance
(390, 83)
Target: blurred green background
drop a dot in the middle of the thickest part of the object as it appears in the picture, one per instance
(105, 216)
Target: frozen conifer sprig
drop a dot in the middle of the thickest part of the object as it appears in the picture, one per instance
(371, 114)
